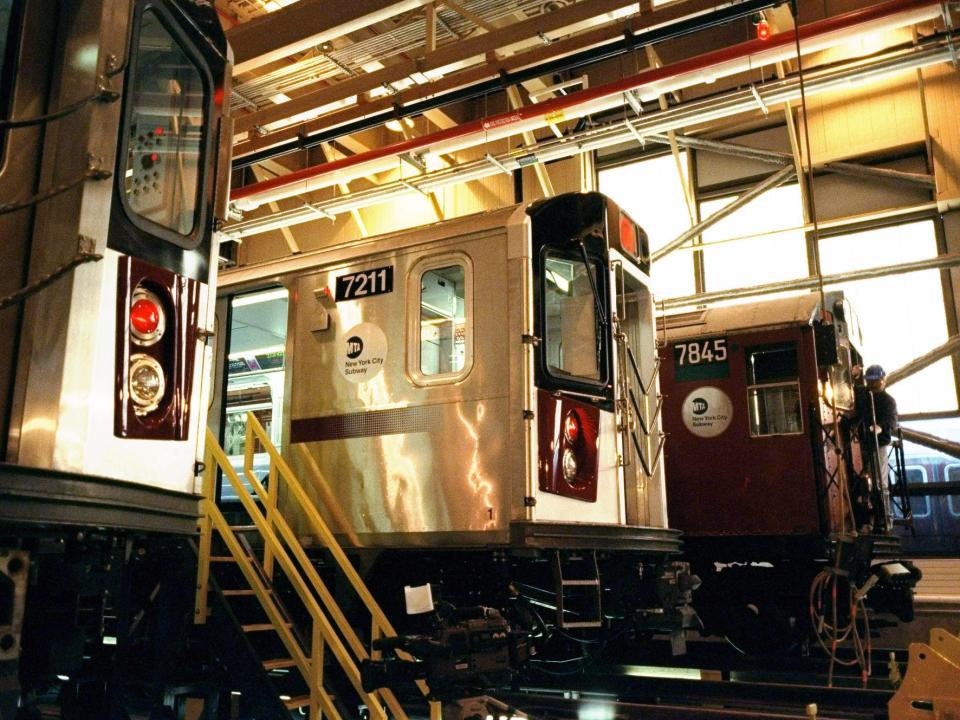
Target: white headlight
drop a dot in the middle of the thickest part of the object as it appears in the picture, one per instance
(569, 466)
(146, 383)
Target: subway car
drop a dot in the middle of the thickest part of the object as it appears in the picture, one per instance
(481, 397)
(114, 174)
(766, 475)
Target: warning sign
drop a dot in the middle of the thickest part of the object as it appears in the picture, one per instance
(707, 411)
(361, 352)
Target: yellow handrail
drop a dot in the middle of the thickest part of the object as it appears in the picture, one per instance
(282, 547)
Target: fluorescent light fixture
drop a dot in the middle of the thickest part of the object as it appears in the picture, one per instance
(372, 66)
(256, 351)
(109, 640)
(261, 297)
(63, 678)
(280, 98)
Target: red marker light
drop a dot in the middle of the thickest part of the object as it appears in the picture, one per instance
(571, 428)
(154, 157)
(763, 30)
(145, 317)
(158, 131)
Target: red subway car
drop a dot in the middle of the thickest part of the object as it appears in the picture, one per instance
(764, 474)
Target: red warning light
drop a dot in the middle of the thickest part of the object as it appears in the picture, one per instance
(154, 157)
(763, 30)
(158, 131)
(145, 316)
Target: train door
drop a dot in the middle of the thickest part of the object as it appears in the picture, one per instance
(255, 376)
(637, 396)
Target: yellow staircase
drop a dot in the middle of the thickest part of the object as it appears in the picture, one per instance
(329, 629)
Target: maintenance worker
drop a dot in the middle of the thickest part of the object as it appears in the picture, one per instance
(875, 415)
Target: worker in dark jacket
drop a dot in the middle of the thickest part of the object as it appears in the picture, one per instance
(875, 416)
(876, 410)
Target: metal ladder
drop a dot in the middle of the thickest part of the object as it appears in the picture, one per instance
(578, 590)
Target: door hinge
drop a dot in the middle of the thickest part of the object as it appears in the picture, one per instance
(530, 339)
(529, 501)
(529, 415)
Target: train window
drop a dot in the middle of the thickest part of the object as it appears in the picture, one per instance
(443, 326)
(166, 122)
(920, 505)
(570, 329)
(953, 501)
(255, 377)
(773, 391)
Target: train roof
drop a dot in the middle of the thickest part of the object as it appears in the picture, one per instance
(745, 317)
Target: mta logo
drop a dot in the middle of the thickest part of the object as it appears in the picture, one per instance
(700, 406)
(354, 347)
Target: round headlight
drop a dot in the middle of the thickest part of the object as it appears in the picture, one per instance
(146, 383)
(569, 466)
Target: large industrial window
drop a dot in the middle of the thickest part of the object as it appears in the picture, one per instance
(570, 315)
(443, 321)
(165, 131)
(651, 193)
(773, 390)
(759, 243)
(901, 316)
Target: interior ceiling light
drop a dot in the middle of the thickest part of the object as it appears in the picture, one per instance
(395, 125)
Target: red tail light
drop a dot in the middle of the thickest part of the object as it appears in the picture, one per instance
(571, 428)
(763, 30)
(146, 317)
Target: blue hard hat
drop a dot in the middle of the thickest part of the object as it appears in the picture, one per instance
(875, 372)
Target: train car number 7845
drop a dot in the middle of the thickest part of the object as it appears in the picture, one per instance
(699, 352)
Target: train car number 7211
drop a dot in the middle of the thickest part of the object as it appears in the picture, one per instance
(364, 284)
(699, 352)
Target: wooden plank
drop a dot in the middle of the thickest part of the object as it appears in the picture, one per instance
(942, 91)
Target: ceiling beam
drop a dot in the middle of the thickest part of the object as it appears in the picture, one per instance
(303, 25)
(446, 55)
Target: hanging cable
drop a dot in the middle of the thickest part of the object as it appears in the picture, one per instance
(811, 200)
(91, 173)
(80, 258)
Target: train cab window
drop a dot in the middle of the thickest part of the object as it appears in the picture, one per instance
(166, 121)
(8, 46)
(444, 334)
(773, 390)
(570, 327)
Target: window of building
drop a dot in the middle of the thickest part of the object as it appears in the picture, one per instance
(651, 193)
(570, 315)
(443, 331)
(901, 316)
(760, 243)
(166, 126)
(773, 390)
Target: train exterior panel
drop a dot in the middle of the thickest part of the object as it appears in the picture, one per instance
(110, 359)
(744, 413)
(433, 374)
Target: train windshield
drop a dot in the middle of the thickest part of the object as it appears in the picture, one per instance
(8, 46)
(570, 329)
(166, 126)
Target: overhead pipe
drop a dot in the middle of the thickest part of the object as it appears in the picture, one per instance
(652, 83)
(930, 51)
(377, 116)
(947, 447)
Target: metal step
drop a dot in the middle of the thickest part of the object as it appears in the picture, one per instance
(243, 528)
(261, 627)
(297, 702)
(242, 592)
(277, 663)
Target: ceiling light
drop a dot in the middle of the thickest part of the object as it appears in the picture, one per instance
(280, 98)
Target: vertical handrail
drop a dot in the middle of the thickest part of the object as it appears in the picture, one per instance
(206, 540)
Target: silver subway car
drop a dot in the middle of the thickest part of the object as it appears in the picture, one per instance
(481, 397)
(114, 151)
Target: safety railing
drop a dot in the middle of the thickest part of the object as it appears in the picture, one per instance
(330, 629)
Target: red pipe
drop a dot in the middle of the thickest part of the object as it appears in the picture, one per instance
(699, 62)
